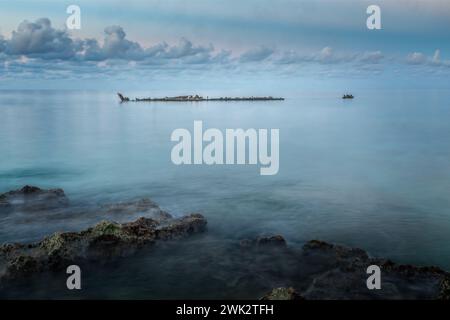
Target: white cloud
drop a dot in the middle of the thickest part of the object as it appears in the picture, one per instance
(418, 58)
(373, 57)
(256, 54)
(437, 56)
(328, 55)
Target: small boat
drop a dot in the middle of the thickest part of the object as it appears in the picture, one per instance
(347, 96)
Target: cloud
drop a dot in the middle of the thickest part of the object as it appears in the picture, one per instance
(116, 46)
(40, 39)
(418, 58)
(2, 44)
(373, 57)
(256, 54)
(37, 50)
(185, 48)
(437, 56)
(327, 55)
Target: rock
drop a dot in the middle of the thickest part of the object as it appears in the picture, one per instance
(31, 198)
(142, 207)
(320, 271)
(444, 293)
(283, 294)
(276, 240)
(264, 241)
(339, 272)
(340, 251)
(317, 244)
(23, 264)
(177, 228)
(105, 240)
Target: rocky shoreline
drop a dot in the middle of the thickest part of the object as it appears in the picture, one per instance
(105, 240)
(341, 274)
(318, 270)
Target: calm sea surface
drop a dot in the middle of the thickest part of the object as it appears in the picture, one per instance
(373, 173)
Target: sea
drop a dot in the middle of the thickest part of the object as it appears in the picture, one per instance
(372, 172)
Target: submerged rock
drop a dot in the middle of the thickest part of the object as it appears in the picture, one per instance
(141, 207)
(31, 198)
(105, 240)
(275, 240)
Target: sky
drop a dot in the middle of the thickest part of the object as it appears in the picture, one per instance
(253, 44)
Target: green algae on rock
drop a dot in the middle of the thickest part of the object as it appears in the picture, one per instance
(105, 240)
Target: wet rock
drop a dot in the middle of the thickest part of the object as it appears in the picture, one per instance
(339, 272)
(264, 241)
(317, 244)
(23, 264)
(179, 228)
(276, 240)
(283, 294)
(341, 252)
(31, 198)
(444, 293)
(105, 240)
(142, 207)
(320, 271)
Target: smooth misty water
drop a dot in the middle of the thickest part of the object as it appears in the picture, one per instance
(373, 172)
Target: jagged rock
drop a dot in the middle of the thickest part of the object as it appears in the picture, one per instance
(178, 228)
(283, 294)
(317, 244)
(31, 198)
(105, 240)
(339, 272)
(444, 293)
(341, 252)
(322, 270)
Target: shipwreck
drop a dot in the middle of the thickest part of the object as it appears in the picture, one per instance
(196, 98)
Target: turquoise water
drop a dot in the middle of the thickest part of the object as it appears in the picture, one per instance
(373, 172)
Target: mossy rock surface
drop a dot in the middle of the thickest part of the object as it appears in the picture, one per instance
(445, 289)
(53, 243)
(283, 294)
(107, 228)
(103, 241)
